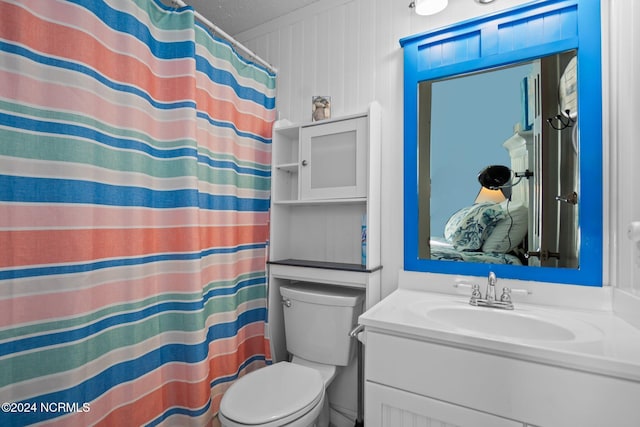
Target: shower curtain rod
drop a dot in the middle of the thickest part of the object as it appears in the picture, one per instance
(235, 43)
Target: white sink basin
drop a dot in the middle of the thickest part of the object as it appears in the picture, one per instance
(594, 340)
(500, 322)
(525, 323)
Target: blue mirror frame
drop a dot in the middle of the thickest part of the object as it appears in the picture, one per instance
(523, 33)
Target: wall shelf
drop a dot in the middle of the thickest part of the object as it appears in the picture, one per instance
(325, 265)
(325, 184)
(288, 167)
(320, 202)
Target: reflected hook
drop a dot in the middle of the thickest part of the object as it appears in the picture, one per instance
(564, 118)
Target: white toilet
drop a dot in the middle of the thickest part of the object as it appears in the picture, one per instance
(317, 319)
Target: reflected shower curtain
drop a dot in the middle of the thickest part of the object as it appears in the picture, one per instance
(134, 189)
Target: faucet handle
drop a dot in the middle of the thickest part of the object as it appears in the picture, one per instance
(506, 295)
(475, 292)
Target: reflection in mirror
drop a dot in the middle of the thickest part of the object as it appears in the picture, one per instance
(498, 174)
(563, 200)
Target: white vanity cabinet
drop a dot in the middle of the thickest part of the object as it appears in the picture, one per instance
(391, 407)
(391, 400)
(410, 380)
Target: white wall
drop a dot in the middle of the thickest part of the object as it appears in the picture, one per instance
(624, 132)
(623, 154)
(349, 49)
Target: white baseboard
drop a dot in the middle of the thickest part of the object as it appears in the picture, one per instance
(338, 419)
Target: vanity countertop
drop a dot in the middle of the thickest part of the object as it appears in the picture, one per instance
(603, 343)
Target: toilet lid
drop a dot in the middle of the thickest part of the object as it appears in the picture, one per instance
(272, 393)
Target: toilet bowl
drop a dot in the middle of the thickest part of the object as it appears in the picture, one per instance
(283, 394)
(293, 394)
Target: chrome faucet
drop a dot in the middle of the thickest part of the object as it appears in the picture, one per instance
(490, 295)
(491, 287)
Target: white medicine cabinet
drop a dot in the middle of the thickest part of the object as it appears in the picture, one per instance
(326, 190)
(333, 159)
(320, 161)
(325, 193)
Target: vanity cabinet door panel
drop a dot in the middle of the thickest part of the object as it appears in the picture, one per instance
(333, 159)
(533, 392)
(390, 407)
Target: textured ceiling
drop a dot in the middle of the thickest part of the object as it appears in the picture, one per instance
(236, 16)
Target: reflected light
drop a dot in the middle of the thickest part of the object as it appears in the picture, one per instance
(487, 195)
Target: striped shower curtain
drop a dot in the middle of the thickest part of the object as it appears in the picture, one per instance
(134, 191)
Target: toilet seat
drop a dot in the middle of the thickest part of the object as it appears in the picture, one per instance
(274, 395)
(327, 372)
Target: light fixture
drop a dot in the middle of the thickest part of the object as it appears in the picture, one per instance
(428, 7)
(498, 177)
(484, 1)
(495, 196)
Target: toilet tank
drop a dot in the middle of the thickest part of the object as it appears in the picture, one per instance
(318, 319)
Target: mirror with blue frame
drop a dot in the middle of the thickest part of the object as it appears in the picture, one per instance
(503, 145)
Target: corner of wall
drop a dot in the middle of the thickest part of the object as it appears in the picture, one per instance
(627, 306)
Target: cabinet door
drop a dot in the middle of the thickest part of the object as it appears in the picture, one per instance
(333, 160)
(390, 407)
